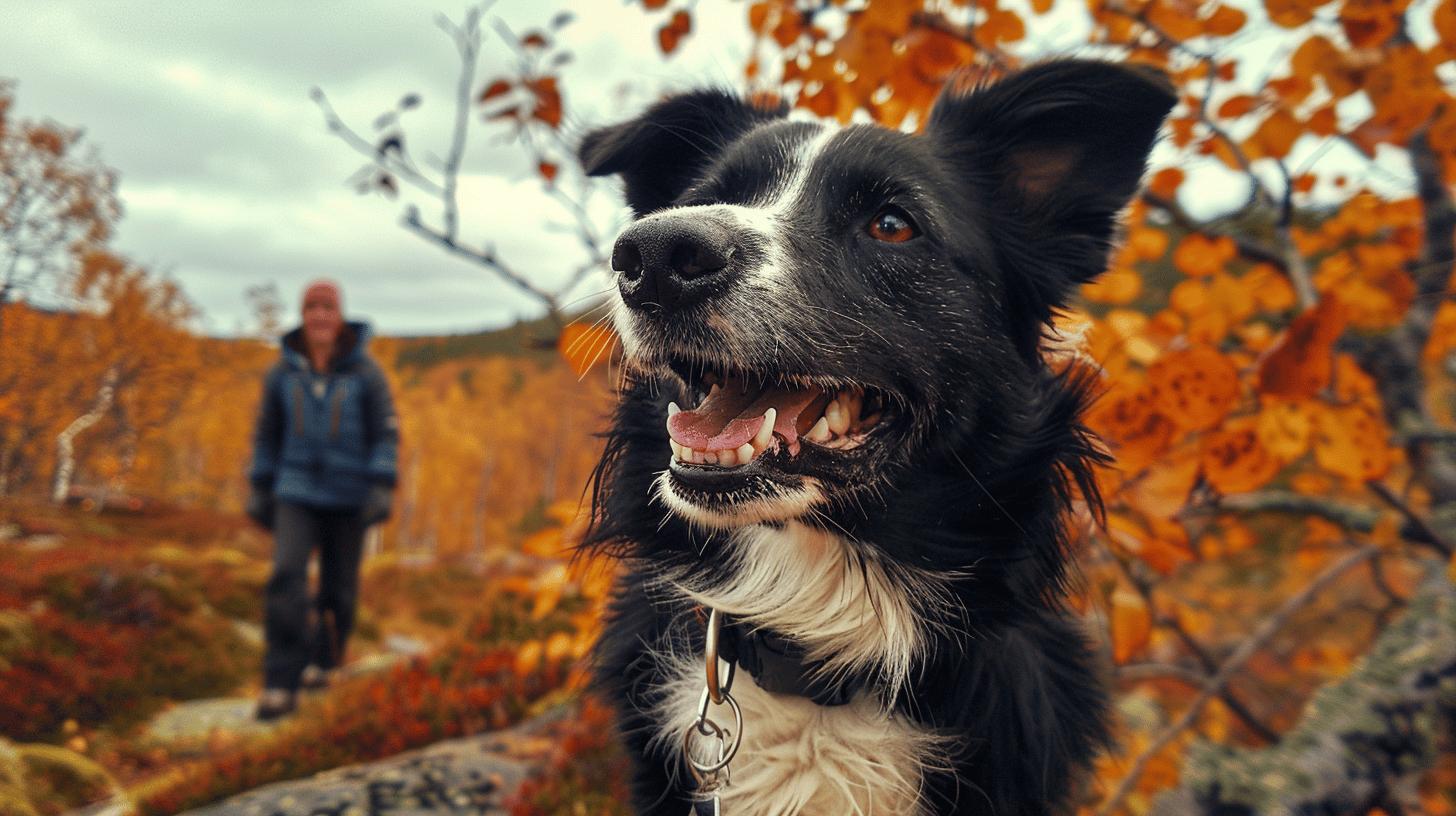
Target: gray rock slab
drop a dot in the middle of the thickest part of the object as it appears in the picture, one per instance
(472, 775)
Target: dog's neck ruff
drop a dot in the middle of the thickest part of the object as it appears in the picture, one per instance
(846, 613)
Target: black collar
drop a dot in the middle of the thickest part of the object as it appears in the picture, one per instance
(779, 666)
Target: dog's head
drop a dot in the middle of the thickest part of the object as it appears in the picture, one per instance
(831, 303)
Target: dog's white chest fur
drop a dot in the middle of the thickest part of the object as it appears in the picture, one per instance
(798, 757)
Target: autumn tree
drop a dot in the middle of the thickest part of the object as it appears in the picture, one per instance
(56, 201)
(1277, 376)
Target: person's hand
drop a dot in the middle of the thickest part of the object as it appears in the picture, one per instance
(379, 504)
(260, 507)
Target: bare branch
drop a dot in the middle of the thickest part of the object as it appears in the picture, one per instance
(1352, 517)
(485, 257)
(1421, 530)
(386, 161)
(1235, 662)
(467, 43)
(1253, 250)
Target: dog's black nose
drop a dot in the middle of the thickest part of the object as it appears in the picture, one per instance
(669, 264)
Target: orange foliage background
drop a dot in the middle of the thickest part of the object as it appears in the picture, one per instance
(1278, 379)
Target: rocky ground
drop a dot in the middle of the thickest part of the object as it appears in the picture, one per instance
(464, 776)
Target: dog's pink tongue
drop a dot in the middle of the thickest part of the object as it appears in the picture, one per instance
(731, 416)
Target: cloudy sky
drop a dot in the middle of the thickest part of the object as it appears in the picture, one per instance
(230, 180)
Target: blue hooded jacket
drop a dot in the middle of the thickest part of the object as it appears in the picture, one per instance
(324, 439)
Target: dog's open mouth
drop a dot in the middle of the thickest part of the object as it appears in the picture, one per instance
(739, 416)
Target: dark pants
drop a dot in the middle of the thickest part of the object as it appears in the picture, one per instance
(297, 638)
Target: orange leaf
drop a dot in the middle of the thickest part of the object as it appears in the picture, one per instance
(498, 88)
(1236, 106)
(1234, 460)
(1275, 137)
(1163, 490)
(1195, 388)
(548, 100)
(1444, 20)
(1352, 443)
(546, 543)
(1290, 13)
(1116, 286)
(1147, 243)
(1443, 334)
(1002, 26)
(1199, 255)
(1224, 21)
(528, 657)
(1323, 122)
(1165, 182)
(1301, 364)
(584, 346)
(1131, 624)
(1284, 428)
(1161, 544)
(1128, 418)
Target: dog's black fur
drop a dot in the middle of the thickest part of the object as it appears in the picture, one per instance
(1015, 188)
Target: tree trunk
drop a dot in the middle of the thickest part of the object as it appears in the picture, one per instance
(66, 439)
(1362, 742)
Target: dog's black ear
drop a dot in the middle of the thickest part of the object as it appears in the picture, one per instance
(664, 150)
(1064, 144)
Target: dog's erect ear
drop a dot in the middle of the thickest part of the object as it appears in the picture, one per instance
(1066, 142)
(661, 152)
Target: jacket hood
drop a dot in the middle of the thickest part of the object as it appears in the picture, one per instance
(353, 339)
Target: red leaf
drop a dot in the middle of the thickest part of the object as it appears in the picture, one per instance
(1301, 365)
(494, 89)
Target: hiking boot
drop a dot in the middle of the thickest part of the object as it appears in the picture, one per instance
(315, 678)
(275, 703)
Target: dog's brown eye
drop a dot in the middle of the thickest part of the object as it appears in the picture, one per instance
(892, 225)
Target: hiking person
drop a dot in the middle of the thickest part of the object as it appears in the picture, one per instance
(323, 471)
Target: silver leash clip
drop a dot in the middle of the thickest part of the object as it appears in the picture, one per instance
(710, 767)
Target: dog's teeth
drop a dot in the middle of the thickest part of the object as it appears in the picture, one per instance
(851, 400)
(672, 409)
(820, 431)
(711, 457)
(745, 453)
(676, 449)
(728, 458)
(837, 416)
(698, 457)
(765, 431)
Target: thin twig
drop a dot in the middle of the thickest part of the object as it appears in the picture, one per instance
(1247, 247)
(382, 160)
(1235, 661)
(1144, 587)
(1426, 534)
(1356, 518)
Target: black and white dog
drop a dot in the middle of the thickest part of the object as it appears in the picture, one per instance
(841, 431)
